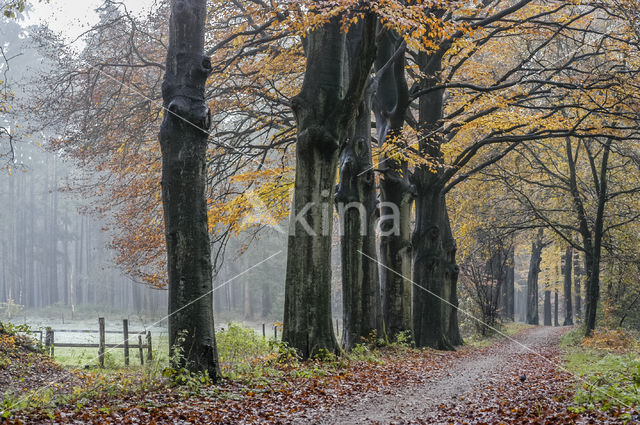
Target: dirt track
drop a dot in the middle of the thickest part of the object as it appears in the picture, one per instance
(466, 379)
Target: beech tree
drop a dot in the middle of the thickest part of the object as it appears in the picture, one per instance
(567, 270)
(325, 109)
(537, 245)
(357, 209)
(586, 196)
(183, 139)
(390, 105)
(448, 103)
(547, 307)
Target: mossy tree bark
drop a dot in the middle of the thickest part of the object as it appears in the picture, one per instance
(183, 140)
(324, 109)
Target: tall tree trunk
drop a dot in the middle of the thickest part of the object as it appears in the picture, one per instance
(428, 234)
(522, 304)
(577, 278)
(567, 271)
(591, 238)
(510, 285)
(356, 203)
(324, 111)
(532, 280)
(547, 307)
(183, 139)
(428, 273)
(555, 309)
(452, 271)
(593, 272)
(390, 103)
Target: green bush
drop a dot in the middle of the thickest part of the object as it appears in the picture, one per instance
(238, 344)
(244, 353)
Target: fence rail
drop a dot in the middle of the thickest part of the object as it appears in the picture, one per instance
(50, 343)
(93, 331)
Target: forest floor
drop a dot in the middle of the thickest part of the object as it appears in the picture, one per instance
(512, 381)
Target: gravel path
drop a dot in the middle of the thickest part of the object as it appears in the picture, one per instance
(464, 379)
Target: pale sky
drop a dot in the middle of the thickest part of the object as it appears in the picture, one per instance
(72, 17)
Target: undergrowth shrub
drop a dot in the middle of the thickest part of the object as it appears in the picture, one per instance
(609, 365)
(243, 353)
(615, 381)
(611, 339)
(178, 373)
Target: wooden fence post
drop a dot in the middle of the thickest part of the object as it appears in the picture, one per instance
(125, 330)
(48, 342)
(140, 352)
(101, 346)
(149, 355)
(264, 333)
(275, 332)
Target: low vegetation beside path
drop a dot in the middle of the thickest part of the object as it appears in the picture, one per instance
(266, 383)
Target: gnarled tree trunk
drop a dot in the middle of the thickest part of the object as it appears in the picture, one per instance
(324, 111)
(429, 266)
(452, 271)
(183, 139)
(356, 203)
(390, 103)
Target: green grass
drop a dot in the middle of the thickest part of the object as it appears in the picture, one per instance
(608, 378)
(508, 329)
(73, 357)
